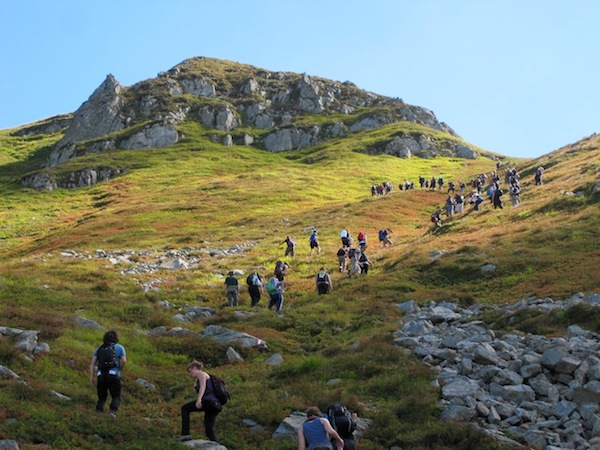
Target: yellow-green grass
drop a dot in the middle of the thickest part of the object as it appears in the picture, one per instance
(202, 195)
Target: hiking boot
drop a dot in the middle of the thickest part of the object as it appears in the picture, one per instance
(185, 438)
(113, 413)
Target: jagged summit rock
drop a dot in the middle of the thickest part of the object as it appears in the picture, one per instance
(227, 97)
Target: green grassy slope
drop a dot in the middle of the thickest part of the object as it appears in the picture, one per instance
(202, 195)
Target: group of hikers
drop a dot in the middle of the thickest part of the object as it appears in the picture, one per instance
(351, 259)
(494, 191)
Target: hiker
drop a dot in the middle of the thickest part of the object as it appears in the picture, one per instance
(354, 254)
(342, 254)
(362, 239)
(232, 289)
(110, 359)
(515, 191)
(364, 262)
(459, 201)
(538, 175)
(476, 199)
(290, 246)
(255, 288)
(436, 218)
(275, 289)
(316, 432)
(384, 237)
(497, 198)
(323, 282)
(314, 242)
(206, 402)
(344, 422)
(344, 235)
(450, 206)
(281, 270)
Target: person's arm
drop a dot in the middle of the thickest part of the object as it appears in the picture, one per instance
(92, 369)
(122, 360)
(331, 432)
(202, 389)
(301, 440)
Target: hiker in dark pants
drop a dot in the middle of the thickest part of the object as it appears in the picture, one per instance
(205, 402)
(109, 359)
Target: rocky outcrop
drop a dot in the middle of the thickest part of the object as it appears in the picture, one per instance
(46, 181)
(98, 116)
(544, 390)
(47, 126)
(145, 115)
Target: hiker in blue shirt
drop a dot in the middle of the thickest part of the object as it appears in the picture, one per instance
(109, 359)
(316, 432)
(314, 242)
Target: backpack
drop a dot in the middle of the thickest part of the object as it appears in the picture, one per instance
(341, 420)
(351, 253)
(321, 277)
(253, 279)
(220, 389)
(361, 236)
(272, 285)
(382, 235)
(341, 252)
(279, 268)
(106, 357)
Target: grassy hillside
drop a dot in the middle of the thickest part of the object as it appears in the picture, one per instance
(201, 195)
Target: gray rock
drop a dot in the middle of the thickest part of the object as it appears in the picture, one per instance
(274, 360)
(228, 337)
(87, 323)
(233, 356)
(7, 374)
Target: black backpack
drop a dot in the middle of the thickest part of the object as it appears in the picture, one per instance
(106, 357)
(341, 420)
(220, 389)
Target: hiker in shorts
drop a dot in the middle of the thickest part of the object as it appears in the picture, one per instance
(106, 364)
(290, 246)
(232, 289)
(314, 242)
(323, 282)
(255, 287)
(342, 254)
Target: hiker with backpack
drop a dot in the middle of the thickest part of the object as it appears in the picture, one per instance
(232, 289)
(206, 402)
(316, 433)
(106, 365)
(255, 287)
(314, 242)
(323, 281)
(364, 262)
(384, 237)
(275, 290)
(362, 240)
(342, 254)
(354, 255)
(344, 422)
(280, 271)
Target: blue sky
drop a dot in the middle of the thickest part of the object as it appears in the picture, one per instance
(516, 77)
